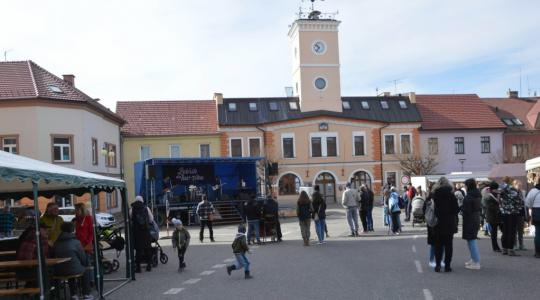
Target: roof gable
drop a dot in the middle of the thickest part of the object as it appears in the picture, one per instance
(525, 110)
(168, 118)
(461, 111)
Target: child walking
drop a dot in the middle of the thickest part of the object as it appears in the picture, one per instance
(180, 241)
(240, 248)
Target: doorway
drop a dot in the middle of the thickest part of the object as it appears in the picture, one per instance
(327, 186)
(361, 178)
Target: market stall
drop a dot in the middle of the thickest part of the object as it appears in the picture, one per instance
(25, 177)
(532, 166)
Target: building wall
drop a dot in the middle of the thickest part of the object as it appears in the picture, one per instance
(342, 167)
(529, 138)
(449, 161)
(159, 147)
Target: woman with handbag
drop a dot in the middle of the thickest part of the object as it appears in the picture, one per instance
(533, 203)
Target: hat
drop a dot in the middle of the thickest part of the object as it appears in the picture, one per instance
(176, 222)
(241, 228)
(139, 198)
(493, 185)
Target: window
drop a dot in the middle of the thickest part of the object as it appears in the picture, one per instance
(293, 105)
(346, 105)
(289, 184)
(402, 104)
(62, 148)
(384, 104)
(520, 151)
(287, 141)
(459, 145)
(316, 147)
(95, 151)
(359, 145)
(55, 89)
(232, 106)
(391, 178)
(145, 152)
(112, 201)
(174, 151)
(236, 147)
(486, 144)
(252, 106)
(10, 144)
(508, 122)
(110, 161)
(405, 144)
(389, 145)
(365, 105)
(324, 145)
(433, 146)
(517, 121)
(204, 150)
(320, 83)
(273, 106)
(254, 147)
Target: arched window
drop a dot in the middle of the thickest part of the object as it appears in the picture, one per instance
(289, 184)
(360, 178)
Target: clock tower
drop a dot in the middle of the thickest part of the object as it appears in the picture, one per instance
(316, 62)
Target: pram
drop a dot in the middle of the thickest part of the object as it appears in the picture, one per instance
(157, 251)
(418, 210)
(110, 238)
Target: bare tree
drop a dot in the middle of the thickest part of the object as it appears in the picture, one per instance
(415, 165)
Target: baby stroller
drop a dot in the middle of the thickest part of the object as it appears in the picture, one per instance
(418, 210)
(110, 238)
(157, 251)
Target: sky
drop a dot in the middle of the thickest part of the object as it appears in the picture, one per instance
(189, 49)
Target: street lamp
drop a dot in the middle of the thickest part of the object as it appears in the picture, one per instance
(462, 161)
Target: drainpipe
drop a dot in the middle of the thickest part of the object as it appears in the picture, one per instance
(268, 186)
(381, 152)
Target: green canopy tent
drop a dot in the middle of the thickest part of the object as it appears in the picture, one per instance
(25, 177)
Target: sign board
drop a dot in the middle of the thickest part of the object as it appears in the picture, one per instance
(405, 179)
(189, 174)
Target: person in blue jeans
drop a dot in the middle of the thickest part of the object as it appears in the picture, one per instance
(252, 212)
(471, 209)
(240, 248)
(319, 214)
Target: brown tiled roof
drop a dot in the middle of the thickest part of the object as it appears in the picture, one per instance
(462, 111)
(524, 109)
(168, 118)
(27, 80)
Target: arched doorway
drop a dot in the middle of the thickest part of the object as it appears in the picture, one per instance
(361, 177)
(327, 186)
(289, 184)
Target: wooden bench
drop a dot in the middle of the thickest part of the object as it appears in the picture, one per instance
(19, 292)
(64, 281)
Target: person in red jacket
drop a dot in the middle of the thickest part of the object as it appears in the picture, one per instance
(84, 227)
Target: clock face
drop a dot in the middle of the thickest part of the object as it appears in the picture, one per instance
(319, 47)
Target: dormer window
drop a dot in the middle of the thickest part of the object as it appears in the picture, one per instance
(252, 106)
(508, 122)
(384, 104)
(232, 106)
(402, 104)
(346, 105)
(365, 105)
(293, 105)
(517, 121)
(55, 89)
(273, 106)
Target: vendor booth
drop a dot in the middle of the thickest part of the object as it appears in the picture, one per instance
(532, 166)
(24, 177)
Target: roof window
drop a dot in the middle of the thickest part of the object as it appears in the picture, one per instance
(232, 106)
(402, 104)
(365, 105)
(273, 106)
(293, 105)
(252, 106)
(517, 121)
(508, 122)
(384, 104)
(55, 89)
(346, 104)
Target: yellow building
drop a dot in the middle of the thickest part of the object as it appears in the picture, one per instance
(166, 129)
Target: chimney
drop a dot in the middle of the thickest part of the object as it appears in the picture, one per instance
(387, 94)
(70, 79)
(412, 97)
(512, 94)
(218, 97)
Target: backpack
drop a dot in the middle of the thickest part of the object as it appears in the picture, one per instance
(431, 218)
(401, 203)
(140, 217)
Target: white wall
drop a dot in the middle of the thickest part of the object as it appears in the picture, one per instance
(475, 160)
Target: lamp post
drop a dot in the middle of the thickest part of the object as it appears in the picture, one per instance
(462, 161)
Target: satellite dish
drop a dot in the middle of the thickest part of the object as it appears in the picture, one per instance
(314, 15)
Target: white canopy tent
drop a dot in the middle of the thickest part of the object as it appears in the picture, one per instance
(25, 177)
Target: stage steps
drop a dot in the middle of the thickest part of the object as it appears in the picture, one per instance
(226, 213)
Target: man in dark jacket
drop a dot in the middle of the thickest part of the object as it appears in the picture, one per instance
(366, 207)
(319, 214)
(471, 209)
(446, 210)
(68, 246)
(271, 211)
(205, 211)
(490, 202)
(252, 215)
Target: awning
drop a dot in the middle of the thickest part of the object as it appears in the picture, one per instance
(512, 170)
(532, 164)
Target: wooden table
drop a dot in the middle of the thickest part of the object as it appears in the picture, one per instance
(21, 264)
(7, 253)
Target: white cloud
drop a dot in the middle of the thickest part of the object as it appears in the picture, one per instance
(129, 50)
